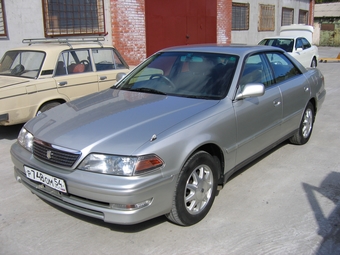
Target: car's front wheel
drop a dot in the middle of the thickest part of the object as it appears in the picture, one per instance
(195, 191)
(306, 126)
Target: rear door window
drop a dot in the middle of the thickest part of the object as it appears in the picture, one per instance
(107, 59)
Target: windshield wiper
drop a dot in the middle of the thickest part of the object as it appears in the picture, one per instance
(154, 91)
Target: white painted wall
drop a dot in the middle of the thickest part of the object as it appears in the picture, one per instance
(24, 20)
(253, 36)
(316, 33)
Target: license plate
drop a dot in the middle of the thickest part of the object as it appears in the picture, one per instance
(48, 180)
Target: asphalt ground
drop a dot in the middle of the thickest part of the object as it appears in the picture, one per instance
(286, 202)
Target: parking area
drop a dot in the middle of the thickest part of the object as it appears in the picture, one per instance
(286, 202)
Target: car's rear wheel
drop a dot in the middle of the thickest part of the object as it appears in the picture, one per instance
(306, 126)
(47, 106)
(313, 64)
(195, 191)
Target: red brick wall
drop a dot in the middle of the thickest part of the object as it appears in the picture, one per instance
(128, 27)
(224, 11)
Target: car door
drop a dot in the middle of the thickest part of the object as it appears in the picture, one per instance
(302, 48)
(108, 64)
(295, 90)
(308, 52)
(74, 74)
(258, 118)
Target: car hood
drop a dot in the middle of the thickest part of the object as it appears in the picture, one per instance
(114, 121)
(6, 81)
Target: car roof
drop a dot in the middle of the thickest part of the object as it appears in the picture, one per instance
(240, 50)
(282, 37)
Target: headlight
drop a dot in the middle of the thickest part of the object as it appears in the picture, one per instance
(25, 139)
(120, 165)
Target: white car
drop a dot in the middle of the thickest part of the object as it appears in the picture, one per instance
(296, 40)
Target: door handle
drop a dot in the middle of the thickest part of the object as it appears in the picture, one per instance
(276, 102)
(102, 78)
(62, 83)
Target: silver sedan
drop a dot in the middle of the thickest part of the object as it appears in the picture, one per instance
(169, 133)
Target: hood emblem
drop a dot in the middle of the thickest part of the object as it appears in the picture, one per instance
(153, 138)
(49, 154)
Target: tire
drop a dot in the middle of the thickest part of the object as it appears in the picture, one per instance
(306, 126)
(195, 191)
(47, 106)
(313, 64)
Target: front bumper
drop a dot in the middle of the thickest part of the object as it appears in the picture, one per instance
(95, 195)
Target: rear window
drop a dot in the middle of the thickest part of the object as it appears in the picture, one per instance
(285, 44)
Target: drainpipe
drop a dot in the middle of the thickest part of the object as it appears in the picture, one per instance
(311, 12)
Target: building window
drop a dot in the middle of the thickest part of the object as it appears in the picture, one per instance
(73, 17)
(3, 31)
(240, 16)
(287, 16)
(303, 17)
(267, 17)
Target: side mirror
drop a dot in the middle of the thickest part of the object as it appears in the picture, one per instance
(251, 90)
(120, 76)
(299, 49)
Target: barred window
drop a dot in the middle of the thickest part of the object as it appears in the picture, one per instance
(287, 16)
(303, 17)
(73, 17)
(267, 17)
(240, 16)
(3, 31)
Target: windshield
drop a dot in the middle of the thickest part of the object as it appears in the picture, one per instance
(186, 74)
(285, 44)
(22, 63)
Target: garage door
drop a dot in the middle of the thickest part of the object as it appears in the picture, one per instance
(179, 22)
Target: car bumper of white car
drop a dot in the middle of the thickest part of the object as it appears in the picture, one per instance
(137, 198)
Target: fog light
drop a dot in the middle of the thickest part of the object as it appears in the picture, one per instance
(130, 207)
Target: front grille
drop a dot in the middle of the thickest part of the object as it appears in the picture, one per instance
(55, 154)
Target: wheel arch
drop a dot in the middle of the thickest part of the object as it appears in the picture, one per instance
(313, 102)
(58, 100)
(216, 152)
(316, 60)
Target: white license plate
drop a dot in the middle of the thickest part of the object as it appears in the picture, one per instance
(48, 180)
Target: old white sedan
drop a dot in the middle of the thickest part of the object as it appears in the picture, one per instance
(48, 72)
(167, 135)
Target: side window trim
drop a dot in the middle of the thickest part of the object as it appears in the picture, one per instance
(268, 71)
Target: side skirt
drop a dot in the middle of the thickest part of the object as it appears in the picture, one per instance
(257, 155)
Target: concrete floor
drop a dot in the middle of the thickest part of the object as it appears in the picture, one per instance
(287, 202)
